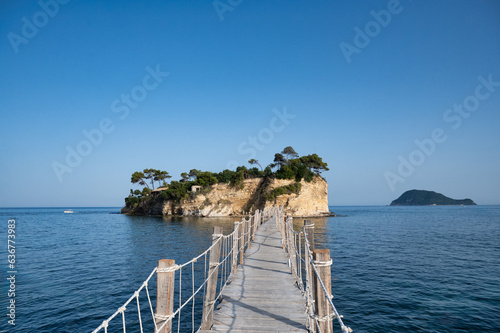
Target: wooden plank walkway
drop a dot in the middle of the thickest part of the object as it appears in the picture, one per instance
(262, 296)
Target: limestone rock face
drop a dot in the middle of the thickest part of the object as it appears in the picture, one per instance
(311, 201)
(224, 200)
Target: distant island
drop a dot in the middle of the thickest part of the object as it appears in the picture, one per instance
(291, 181)
(427, 198)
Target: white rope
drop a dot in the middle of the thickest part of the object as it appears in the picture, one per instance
(318, 263)
(238, 240)
(292, 252)
(163, 317)
(105, 322)
(150, 305)
(105, 325)
(122, 310)
(324, 318)
(136, 294)
(194, 299)
(172, 268)
(180, 300)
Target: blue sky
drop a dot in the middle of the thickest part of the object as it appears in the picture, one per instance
(176, 85)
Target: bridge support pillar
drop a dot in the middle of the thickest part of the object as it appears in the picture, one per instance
(165, 295)
(234, 258)
(241, 236)
(324, 312)
(309, 231)
(213, 272)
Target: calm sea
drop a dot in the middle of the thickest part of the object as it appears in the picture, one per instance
(395, 269)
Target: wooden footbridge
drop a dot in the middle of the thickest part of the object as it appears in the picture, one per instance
(263, 277)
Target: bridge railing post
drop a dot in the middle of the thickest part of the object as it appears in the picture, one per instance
(165, 294)
(255, 224)
(291, 249)
(322, 262)
(247, 239)
(235, 247)
(309, 233)
(285, 236)
(241, 236)
(213, 272)
(310, 291)
(252, 227)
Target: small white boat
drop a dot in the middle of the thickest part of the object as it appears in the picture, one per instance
(68, 211)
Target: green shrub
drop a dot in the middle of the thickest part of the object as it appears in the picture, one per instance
(206, 178)
(225, 176)
(286, 172)
(255, 173)
(177, 191)
(287, 189)
(237, 180)
(131, 201)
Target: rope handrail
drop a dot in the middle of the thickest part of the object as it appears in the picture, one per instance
(300, 254)
(231, 246)
(124, 306)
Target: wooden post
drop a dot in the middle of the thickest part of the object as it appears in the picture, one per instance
(213, 272)
(310, 284)
(309, 235)
(309, 231)
(247, 239)
(323, 310)
(165, 295)
(291, 250)
(235, 247)
(243, 234)
(255, 224)
(285, 237)
(242, 240)
(252, 226)
(281, 224)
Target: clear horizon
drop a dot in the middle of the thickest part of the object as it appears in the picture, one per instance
(76, 207)
(393, 95)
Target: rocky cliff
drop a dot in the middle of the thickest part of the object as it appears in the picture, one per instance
(311, 201)
(224, 200)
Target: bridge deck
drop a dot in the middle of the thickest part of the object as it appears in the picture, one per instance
(262, 296)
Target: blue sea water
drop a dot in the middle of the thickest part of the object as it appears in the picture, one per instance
(395, 269)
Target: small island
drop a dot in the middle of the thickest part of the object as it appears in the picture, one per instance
(291, 181)
(428, 198)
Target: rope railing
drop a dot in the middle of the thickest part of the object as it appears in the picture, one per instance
(311, 269)
(206, 276)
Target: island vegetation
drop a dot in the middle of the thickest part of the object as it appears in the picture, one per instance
(286, 165)
(427, 198)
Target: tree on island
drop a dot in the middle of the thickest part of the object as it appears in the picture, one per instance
(193, 173)
(254, 161)
(205, 178)
(185, 177)
(153, 175)
(288, 153)
(314, 163)
(279, 160)
(159, 176)
(140, 178)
